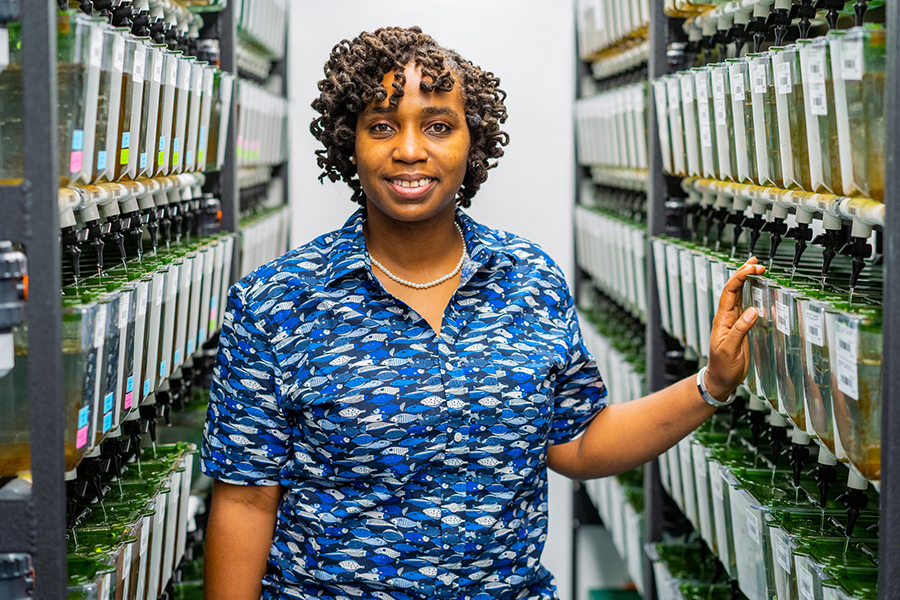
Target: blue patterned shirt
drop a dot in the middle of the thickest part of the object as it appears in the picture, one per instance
(414, 463)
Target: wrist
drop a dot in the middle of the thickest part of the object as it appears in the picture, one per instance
(712, 391)
(715, 388)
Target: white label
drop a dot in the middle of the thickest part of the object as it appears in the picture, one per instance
(700, 272)
(851, 60)
(718, 486)
(687, 89)
(847, 354)
(208, 81)
(782, 318)
(173, 72)
(816, 64)
(783, 553)
(140, 59)
(737, 86)
(173, 278)
(123, 312)
(687, 268)
(719, 106)
(157, 67)
(186, 80)
(673, 94)
(813, 324)
(159, 293)
(783, 78)
(758, 302)
(805, 584)
(129, 554)
(119, 53)
(142, 298)
(818, 98)
(145, 535)
(96, 49)
(753, 526)
(197, 85)
(160, 512)
(672, 264)
(718, 283)
(759, 78)
(718, 84)
(103, 592)
(100, 326)
(4, 48)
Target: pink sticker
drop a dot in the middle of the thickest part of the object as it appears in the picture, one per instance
(81, 440)
(75, 162)
(128, 399)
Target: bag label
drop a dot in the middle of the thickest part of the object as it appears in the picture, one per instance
(814, 327)
(783, 78)
(782, 318)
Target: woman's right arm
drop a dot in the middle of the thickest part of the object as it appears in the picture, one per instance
(238, 539)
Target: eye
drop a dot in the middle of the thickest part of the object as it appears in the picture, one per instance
(380, 128)
(440, 128)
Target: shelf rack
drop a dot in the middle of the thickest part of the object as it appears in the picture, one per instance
(660, 187)
(36, 525)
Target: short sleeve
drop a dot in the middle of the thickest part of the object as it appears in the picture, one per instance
(580, 393)
(246, 439)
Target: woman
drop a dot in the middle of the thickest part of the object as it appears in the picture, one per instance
(389, 396)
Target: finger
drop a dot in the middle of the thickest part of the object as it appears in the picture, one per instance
(732, 290)
(738, 333)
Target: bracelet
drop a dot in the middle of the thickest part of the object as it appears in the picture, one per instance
(707, 397)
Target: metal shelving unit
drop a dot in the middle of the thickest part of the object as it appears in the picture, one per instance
(660, 188)
(37, 525)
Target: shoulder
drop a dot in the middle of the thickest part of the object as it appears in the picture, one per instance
(525, 256)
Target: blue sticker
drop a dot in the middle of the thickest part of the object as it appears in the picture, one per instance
(177, 357)
(190, 156)
(162, 143)
(162, 369)
(190, 349)
(213, 302)
(176, 145)
(107, 403)
(83, 415)
(129, 387)
(101, 159)
(107, 422)
(126, 140)
(202, 137)
(143, 160)
(146, 387)
(201, 337)
(77, 140)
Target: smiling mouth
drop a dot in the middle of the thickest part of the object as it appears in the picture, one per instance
(424, 182)
(412, 190)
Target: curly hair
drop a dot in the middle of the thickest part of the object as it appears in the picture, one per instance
(353, 74)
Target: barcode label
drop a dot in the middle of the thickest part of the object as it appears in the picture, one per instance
(758, 302)
(142, 299)
(145, 535)
(847, 356)
(818, 98)
(852, 60)
(687, 89)
(702, 87)
(96, 47)
(782, 318)
(123, 311)
(783, 552)
(719, 105)
(718, 285)
(157, 67)
(805, 583)
(673, 94)
(672, 263)
(848, 342)
(718, 84)
(186, 80)
(783, 78)
(700, 272)
(100, 326)
(848, 382)
(703, 110)
(687, 267)
(160, 288)
(753, 526)
(813, 325)
(737, 84)
(119, 53)
(759, 78)
(173, 72)
(718, 486)
(208, 79)
(173, 278)
(140, 59)
(816, 62)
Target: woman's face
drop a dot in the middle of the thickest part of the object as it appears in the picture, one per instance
(412, 159)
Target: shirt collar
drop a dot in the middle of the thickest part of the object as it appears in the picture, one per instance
(487, 248)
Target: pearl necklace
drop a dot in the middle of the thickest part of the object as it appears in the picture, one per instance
(423, 286)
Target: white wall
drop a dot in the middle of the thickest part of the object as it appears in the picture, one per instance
(530, 45)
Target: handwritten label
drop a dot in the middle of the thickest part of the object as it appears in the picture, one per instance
(783, 78)
(847, 356)
(852, 60)
(753, 526)
(782, 318)
(813, 324)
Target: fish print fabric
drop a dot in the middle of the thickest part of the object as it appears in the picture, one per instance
(414, 464)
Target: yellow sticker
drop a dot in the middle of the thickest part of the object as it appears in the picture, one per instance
(123, 157)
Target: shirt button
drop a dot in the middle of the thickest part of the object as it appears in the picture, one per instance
(457, 437)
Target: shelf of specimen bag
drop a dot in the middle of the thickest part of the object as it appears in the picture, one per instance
(609, 28)
(261, 126)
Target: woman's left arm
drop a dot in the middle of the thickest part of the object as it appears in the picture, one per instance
(623, 436)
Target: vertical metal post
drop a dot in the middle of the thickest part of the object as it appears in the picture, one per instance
(655, 338)
(228, 184)
(41, 240)
(889, 552)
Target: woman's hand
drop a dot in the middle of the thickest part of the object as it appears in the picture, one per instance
(729, 356)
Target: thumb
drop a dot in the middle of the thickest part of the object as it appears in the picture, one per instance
(740, 329)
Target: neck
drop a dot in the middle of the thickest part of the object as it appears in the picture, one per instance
(420, 249)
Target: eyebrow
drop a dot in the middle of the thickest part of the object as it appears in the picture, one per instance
(428, 110)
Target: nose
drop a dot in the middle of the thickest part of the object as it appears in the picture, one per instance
(409, 146)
